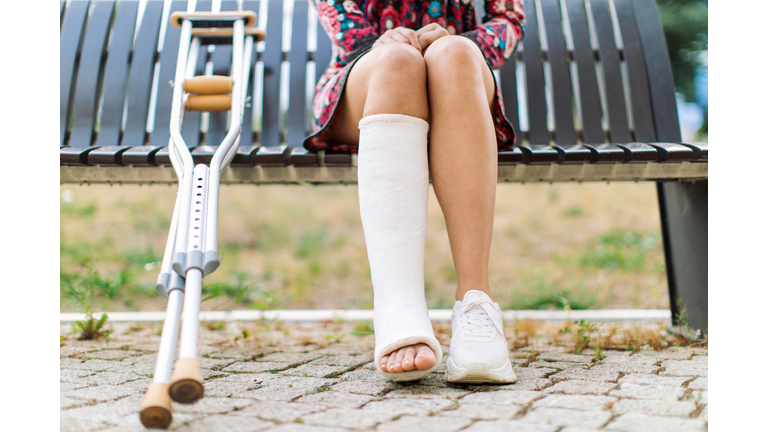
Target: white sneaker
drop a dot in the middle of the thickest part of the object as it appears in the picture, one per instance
(479, 351)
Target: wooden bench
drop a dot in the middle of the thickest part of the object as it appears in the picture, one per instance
(590, 94)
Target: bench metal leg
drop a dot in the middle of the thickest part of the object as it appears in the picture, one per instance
(683, 207)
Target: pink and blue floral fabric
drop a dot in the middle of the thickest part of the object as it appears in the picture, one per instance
(354, 26)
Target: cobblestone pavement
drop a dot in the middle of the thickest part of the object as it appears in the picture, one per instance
(319, 377)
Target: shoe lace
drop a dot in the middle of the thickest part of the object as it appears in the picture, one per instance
(476, 319)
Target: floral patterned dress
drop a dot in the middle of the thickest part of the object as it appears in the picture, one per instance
(354, 26)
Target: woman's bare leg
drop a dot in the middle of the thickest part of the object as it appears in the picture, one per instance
(391, 79)
(463, 154)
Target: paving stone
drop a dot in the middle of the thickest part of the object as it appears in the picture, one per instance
(256, 367)
(637, 391)
(234, 384)
(586, 375)
(567, 417)
(399, 407)
(97, 365)
(578, 429)
(316, 370)
(336, 399)
(583, 387)
(534, 372)
(286, 388)
(646, 423)
(112, 354)
(279, 411)
(213, 405)
(141, 359)
(555, 364)
(427, 392)
(349, 360)
(347, 418)
(698, 384)
(112, 378)
(147, 347)
(65, 362)
(704, 414)
(501, 397)
(295, 427)
(519, 385)
(143, 369)
(293, 359)
(224, 423)
(213, 363)
(673, 353)
(73, 375)
(70, 351)
(519, 362)
(564, 357)
(69, 386)
(68, 402)
(141, 383)
(103, 413)
(424, 423)
(507, 425)
(364, 387)
(627, 367)
(70, 424)
(684, 368)
(699, 397)
(484, 411)
(208, 374)
(576, 402)
(236, 353)
(103, 393)
(364, 374)
(649, 379)
(654, 407)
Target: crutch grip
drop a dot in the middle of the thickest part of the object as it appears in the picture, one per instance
(155, 411)
(209, 103)
(186, 381)
(208, 85)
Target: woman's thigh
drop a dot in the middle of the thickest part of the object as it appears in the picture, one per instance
(395, 76)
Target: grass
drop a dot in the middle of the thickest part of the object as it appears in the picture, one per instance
(554, 246)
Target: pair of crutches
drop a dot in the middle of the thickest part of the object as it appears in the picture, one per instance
(190, 251)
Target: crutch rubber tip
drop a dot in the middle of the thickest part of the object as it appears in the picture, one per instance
(156, 407)
(186, 381)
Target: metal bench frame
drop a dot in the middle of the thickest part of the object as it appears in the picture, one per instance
(598, 98)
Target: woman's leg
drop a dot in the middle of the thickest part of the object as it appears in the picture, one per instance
(463, 154)
(391, 79)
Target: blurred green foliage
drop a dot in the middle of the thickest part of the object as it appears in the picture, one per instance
(686, 27)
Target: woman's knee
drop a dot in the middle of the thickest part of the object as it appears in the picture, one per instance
(398, 61)
(453, 53)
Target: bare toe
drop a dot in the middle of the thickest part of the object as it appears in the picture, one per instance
(383, 363)
(425, 357)
(407, 363)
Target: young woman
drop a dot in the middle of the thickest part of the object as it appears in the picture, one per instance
(410, 88)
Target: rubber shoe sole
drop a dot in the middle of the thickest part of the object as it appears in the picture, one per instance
(478, 373)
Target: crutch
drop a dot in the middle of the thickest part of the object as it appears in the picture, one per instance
(190, 251)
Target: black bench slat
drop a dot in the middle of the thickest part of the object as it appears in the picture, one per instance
(565, 132)
(616, 111)
(222, 65)
(573, 154)
(296, 127)
(273, 55)
(204, 154)
(246, 134)
(508, 78)
(539, 154)
(538, 132)
(606, 153)
(514, 156)
(302, 157)
(589, 95)
(661, 84)
(672, 152)
(140, 155)
(639, 152)
(338, 159)
(277, 155)
(110, 155)
(323, 53)
(115, 73)
(642, 117)
(69, 43)
(74, 155)
(700, 150)
(161, 129)
(86, 99)
(246, 156)
(140, 76)
(61, 12)
(190, 129)
(163, 156)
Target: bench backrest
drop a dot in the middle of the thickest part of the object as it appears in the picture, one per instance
(589, 71)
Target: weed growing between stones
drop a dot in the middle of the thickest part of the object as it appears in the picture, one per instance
(91, 328)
